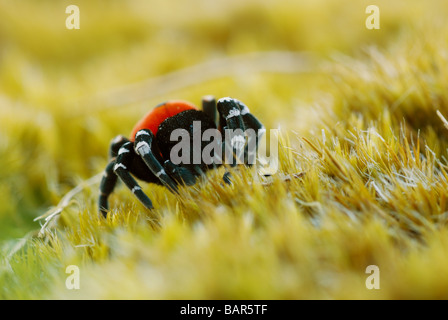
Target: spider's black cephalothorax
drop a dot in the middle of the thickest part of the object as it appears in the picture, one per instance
(147, 155)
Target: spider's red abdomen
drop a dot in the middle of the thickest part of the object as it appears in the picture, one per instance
(156, 116)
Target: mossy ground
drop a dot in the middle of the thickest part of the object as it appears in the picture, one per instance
(357, 111)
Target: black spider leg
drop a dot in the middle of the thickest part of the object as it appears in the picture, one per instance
(230, 119)
(227, 175)
(142, 146)
(109, 180)
(107, 186)
(253, 138)
(123, 162)
(180, 174)
(209, 107)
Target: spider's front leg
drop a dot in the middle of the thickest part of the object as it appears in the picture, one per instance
(121, 165)
(142, 146)
(232, 126)
(254, 131)
(122, 155)
(109, 180)
(180, 174)
(230, 119)
(107, 186)
(235, 115)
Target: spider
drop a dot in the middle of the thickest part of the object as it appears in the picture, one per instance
(146, 154)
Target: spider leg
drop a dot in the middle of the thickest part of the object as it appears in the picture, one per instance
(209, 106)
(107, 186)
(230, 118)
(233, 114)
(109, 179)
(232, 126)
(142, 146)
(254, 135)
(230, 158)
(180, 174)
(121, 164)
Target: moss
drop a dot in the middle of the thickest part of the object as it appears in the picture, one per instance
(363, 172)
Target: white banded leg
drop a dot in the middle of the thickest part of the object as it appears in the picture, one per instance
(109, 179)
(107, 185)
(142, 146)
(124, 159)
(230, 119)
(253, 137)
(230, 114)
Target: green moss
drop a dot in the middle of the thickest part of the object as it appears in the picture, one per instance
(361, 143)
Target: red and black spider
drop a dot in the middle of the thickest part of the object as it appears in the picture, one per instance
(146, 155)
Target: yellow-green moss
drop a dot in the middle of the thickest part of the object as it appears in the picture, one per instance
(357, 110)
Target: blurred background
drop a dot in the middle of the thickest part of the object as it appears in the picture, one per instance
(64, 94)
